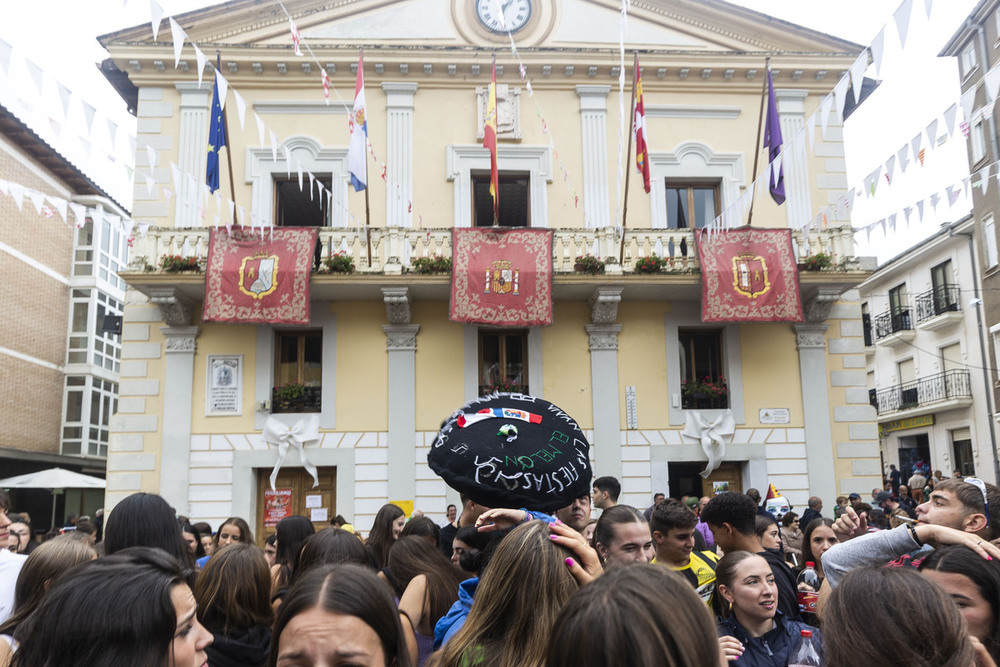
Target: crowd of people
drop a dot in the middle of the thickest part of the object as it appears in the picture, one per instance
(687, 581)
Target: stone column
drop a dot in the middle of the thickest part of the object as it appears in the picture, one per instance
(401, 344)
(192, 148)
(791, 114)
(603, 333)
(178, 378)
(594, 114)
(399, 152)
(810, 339)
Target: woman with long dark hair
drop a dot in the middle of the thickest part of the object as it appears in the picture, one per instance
(292, 532)
(385, 530)
(146, 520)
(134, 608)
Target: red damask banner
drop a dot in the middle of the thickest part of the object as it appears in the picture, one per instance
(259, 276)
(749, 275)
(502, 277)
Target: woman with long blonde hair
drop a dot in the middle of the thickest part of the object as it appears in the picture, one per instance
(517, 602)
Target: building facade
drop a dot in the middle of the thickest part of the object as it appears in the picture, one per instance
(924, 346)
(381, 364)
(58, 367)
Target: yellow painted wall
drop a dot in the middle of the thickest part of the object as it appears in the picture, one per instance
(771, 377)
(566, 361)
(642, 361)
(440, 360)
(362, 366)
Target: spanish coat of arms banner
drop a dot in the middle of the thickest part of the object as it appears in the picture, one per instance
(749, 275)
(501, 277)
(259, 276)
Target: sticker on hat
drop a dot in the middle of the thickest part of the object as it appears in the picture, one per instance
(513, 450)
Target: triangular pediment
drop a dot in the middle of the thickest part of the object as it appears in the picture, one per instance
(658, 25)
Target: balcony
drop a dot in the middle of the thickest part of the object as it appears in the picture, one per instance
(894, 328)
(944, 391)
(939, 307)
(393, 249)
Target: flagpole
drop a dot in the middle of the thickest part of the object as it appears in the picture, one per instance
(628, 157)
(760, 124)
(368, 221)
(229, 148)
(496, 186)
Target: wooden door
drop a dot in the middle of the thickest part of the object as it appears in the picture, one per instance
(727, 473)
(295, 496)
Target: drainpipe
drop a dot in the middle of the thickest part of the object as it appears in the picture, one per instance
(977, 302)
(991, 123)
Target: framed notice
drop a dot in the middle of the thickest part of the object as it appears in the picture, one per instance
(224, 390)
(277, 506)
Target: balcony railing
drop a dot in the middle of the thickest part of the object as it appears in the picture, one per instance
(394, 248)
(889, 323)
(941, 299)
(311, 400)
(922, 392)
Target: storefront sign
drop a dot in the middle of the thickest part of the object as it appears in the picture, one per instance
(904, 424)
(224, 393)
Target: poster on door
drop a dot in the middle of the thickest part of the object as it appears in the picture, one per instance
(277, 506)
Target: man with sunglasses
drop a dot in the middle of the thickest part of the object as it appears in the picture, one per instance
(962, 511)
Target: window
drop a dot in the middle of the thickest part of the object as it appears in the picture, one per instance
(967, 59)
(298, 371)
(899, 309)
(503, 361)
(977, 139)
(995, 337)
(514, 200)
(945, 294)
(990, 238)
(295, 207)
(961, 442)
(89, 404)
(703, 383)
(86, 334)
(691, 205)
(866, 324)
(951, 357)
(908, 395)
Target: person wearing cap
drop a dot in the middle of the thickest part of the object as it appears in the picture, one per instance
(897, 515)
(959, 511)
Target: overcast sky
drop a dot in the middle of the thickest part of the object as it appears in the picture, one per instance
(916, 87)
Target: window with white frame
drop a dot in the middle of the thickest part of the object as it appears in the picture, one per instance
(88, 342)
(990, 241)
(977, 139)
(89, 403)
(995, 337)
(967, 59)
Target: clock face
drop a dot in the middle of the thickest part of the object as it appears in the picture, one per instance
(501, 16)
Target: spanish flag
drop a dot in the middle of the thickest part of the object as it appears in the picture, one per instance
(772, 492)
(490, 142)
(641, 147)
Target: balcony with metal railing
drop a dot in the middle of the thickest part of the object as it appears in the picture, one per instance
(944, 391)
(894, 327)
(939, 307)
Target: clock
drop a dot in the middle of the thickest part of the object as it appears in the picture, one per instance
(501, 16)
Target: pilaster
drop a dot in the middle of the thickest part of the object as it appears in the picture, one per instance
(791, 114)
(399, 152)
(192, 147)
(178, 378)
(401, 347)
(603, 343)
(594, 114)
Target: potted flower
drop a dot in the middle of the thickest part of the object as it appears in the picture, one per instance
(651, 264)
(435, 264)
(817, 262)
(176, 263)
(503, 384)
(285, 395)
(705, 393)
(339, 262)
(588, 264)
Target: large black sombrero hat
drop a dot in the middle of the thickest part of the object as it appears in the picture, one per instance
(513, 450)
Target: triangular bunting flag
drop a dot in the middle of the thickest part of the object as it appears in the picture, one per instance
(811, 132)
(150, 183)
(892, 222)
(915, 144)
(932, 133)
(178, 35)
(274, 146)
(890, 166)
(935, 198)
(968, 102)
(992, 83)
(201, 59)
(312, 182)
(953, 194)
(840, 97)
(223, 88)
(902, 16)
(151, 157)
(37, 199)
(65, 94)
(927, 7)
(857, 71)
(260, 128)
(241, 108)
(5, 51)
(878, 48)
(984, 173)
(824, 113)
(903, 155)
(907, 210)
(17, 192)
(79, 214)
(949, 118)
(155, 17)
(37, 76)
(920, 210)
(59, 204)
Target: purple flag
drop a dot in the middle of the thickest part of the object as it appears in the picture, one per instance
(772, 142)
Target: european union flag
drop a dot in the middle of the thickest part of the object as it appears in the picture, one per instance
(216, 140)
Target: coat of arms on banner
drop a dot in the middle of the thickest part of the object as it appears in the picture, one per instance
(258, 275)
(502, 278)
(750, 275)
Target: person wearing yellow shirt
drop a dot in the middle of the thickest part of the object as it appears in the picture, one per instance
(673, 526)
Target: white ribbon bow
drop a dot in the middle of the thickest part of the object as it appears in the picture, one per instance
(711, 435)
(280, 434)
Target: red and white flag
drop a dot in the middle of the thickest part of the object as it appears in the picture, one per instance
(490, 140)
(296, 38)
(641, 149)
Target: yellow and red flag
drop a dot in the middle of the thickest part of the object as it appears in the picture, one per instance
(641, 149)
(490, 142)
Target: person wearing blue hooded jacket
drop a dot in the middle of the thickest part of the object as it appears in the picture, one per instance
(754, 633)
